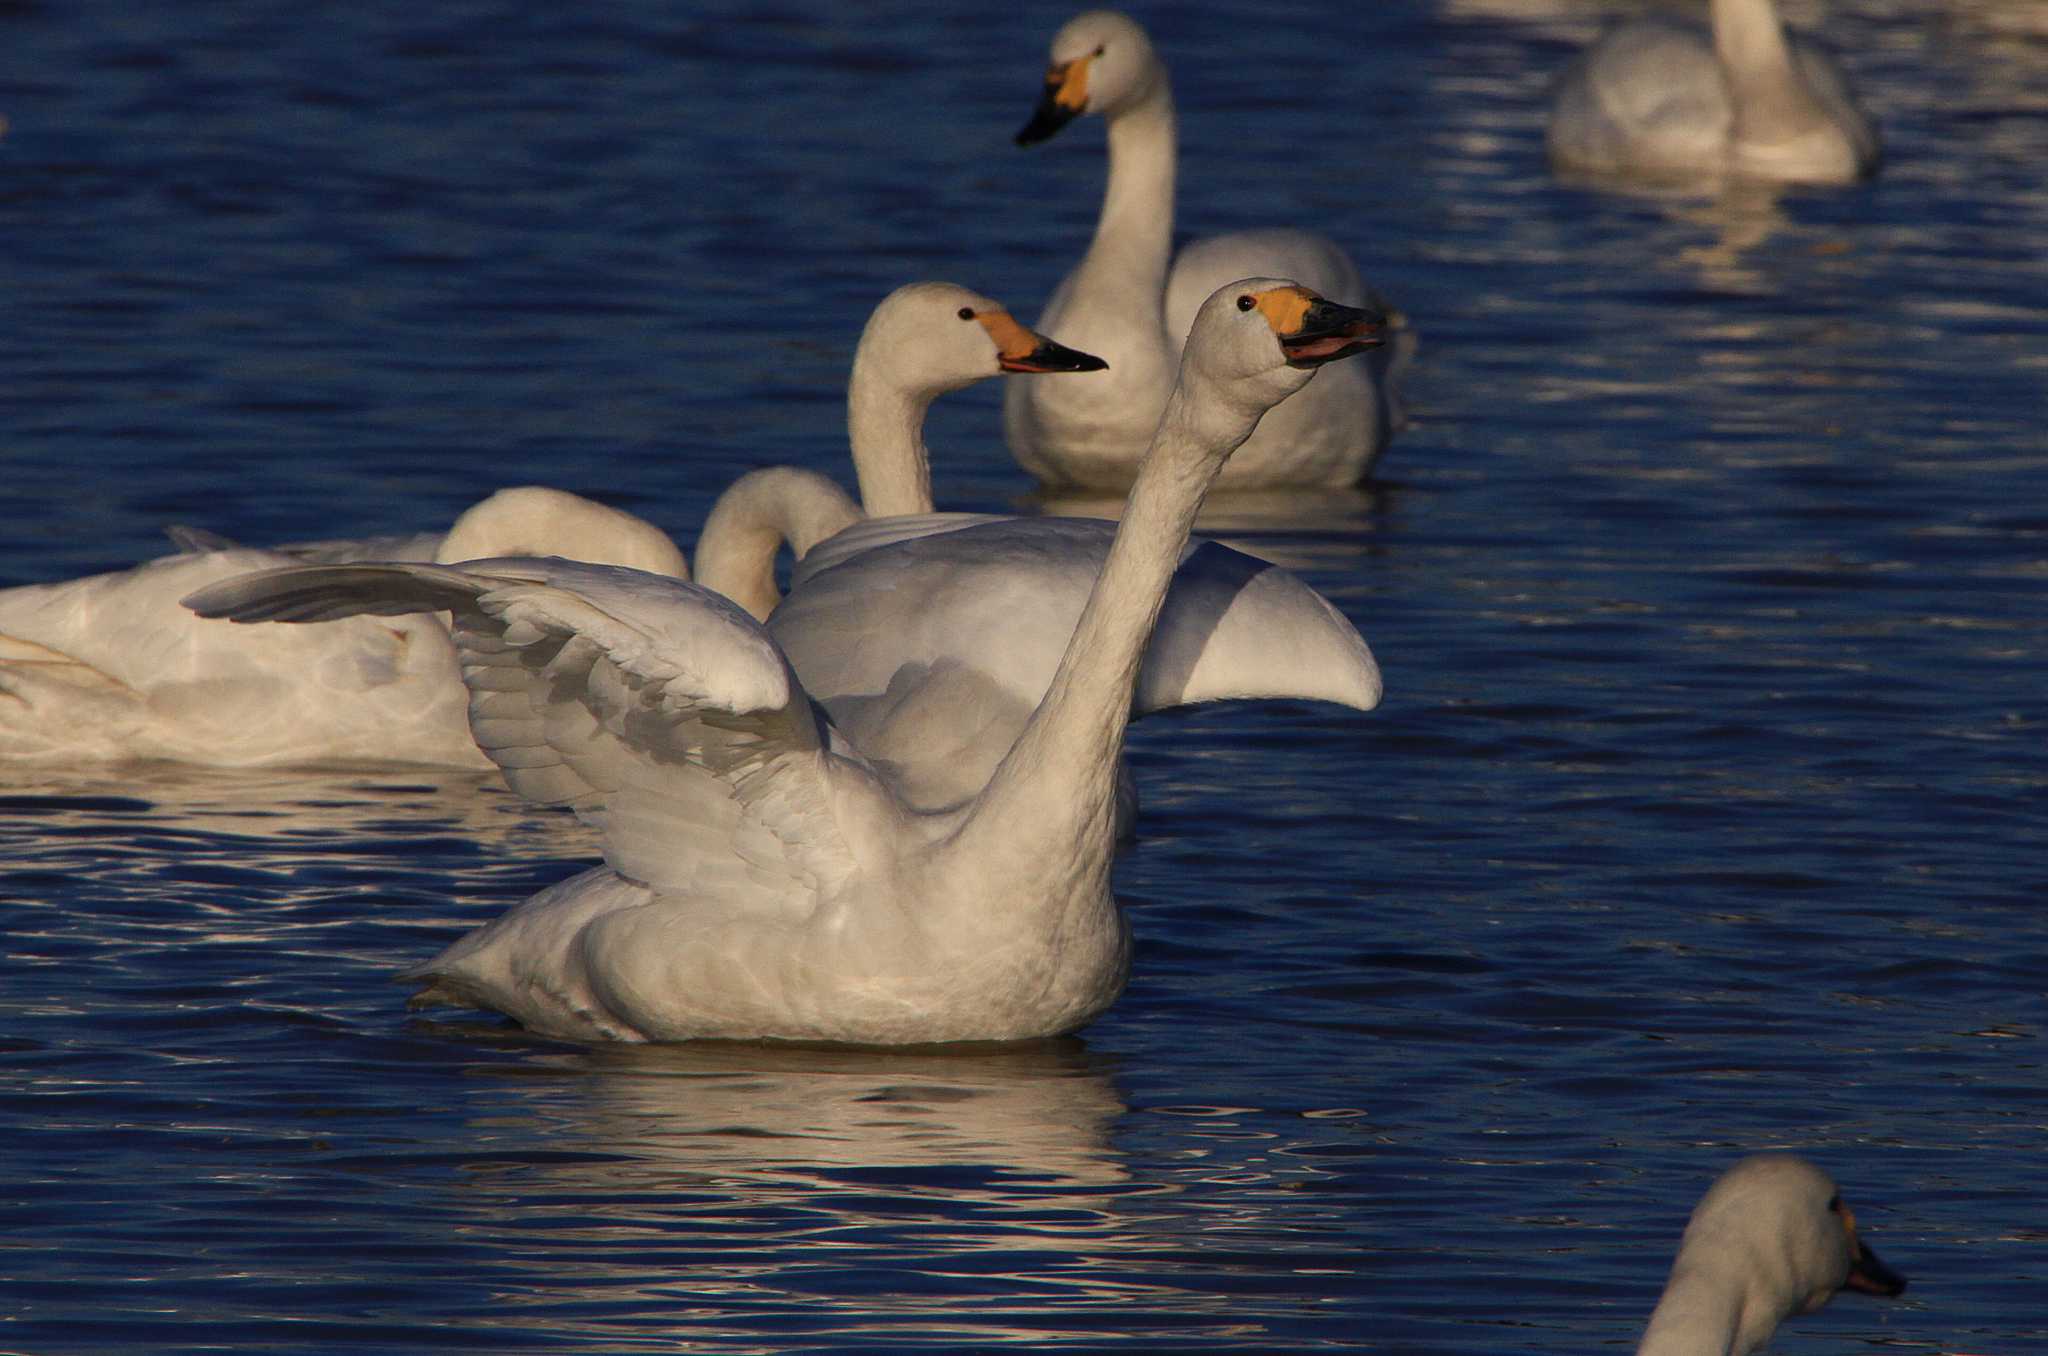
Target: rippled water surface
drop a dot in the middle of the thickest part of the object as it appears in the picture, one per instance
(1704, 813)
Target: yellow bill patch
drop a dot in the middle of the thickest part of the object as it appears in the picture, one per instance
(1285, 308)
(1068, 84)
(1013, 341)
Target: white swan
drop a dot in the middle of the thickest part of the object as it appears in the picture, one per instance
(923, 340)
(930, 638)
(762, 880)
(110, 667)
(1770, 1239)
(1123, 303)
(1660, 98)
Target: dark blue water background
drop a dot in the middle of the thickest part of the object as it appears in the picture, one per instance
(1704, 813)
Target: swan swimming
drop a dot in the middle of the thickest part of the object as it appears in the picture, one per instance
(930, 638)
(1660, 98)
(762, 879)
(1770, 1239)
(110, 667)
(1123, 302)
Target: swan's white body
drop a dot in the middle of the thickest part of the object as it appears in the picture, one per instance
(1659, 98)
(1124, 302)
(110, 667)
(931, 637)
(763, 879)
(1770, 1239)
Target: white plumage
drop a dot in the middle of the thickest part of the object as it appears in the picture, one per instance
(763, 878)
(1663, 99)
(1122, 300)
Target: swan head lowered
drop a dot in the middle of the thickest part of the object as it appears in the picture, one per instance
(1770, 1239)
(1102, 63)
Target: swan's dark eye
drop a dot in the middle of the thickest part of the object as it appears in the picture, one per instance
(1100, 50)
(1245, 302)
(1835, 1206)
(967, 313)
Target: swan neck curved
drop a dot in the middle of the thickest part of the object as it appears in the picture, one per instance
(751, 522)
(885, 427)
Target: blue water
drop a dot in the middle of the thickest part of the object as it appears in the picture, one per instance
(1705, 812)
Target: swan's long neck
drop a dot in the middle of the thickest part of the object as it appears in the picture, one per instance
(1060, 777)
(1771, 100)
(1724, 1306)
(752, 520)
(885, 424)
(1133, 242)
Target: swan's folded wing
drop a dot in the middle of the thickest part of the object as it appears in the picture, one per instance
(651, 706)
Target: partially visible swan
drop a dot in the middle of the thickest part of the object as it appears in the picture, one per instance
(110, 667)
(1123, 302)
(1770, 1239)
(930, 638)
(923, 340)
(762, 879)
(1660, 98)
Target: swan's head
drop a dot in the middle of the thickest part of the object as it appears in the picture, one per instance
(1260, 339)
(1779, 1221)
(1101, 63)
(929, 338)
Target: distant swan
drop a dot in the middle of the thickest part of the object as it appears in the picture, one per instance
(1770, 1239)
(762, 879)
(110, 667)
(1122, 301)
(930, 638)
(1661, 98)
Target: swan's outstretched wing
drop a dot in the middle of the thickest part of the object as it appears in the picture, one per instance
(654, 707)
(1003, 595)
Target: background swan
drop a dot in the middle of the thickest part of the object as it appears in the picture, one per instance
(112, 667)
(930, 638)
(1122, 301)
(1770, 1239)
(762, 879)
(1662, 98)
(923, 340)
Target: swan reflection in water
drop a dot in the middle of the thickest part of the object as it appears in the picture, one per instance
(727, 1186)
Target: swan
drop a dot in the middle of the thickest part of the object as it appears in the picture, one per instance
(762, 879)
(110, 667)
(1124, 302)
(1770, 1239)
(1662, 98)
(921, 341)
(930, 638)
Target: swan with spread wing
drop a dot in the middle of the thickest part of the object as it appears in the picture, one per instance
(762, 878)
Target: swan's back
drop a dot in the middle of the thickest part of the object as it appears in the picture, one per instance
(111, 667)
(1648, 97)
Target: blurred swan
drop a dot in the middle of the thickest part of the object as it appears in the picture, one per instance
(1661, 98)
(930, 638)
(1124, 302)
(1770, 1239)
(110, 667)
(763, 879)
